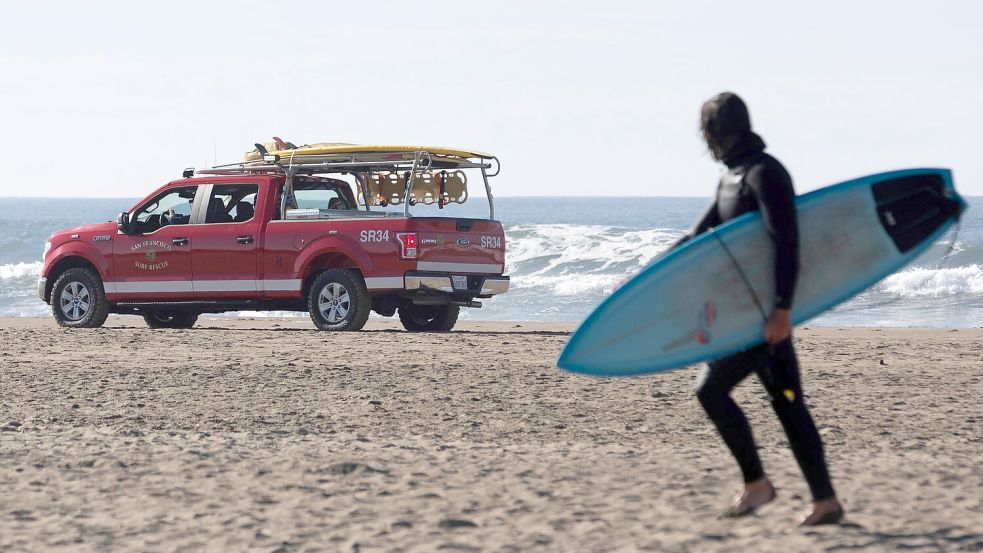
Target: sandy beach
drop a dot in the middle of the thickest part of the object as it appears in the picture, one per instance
(262, 434)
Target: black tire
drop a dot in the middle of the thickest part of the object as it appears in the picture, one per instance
(170, 319)
(429, 318)
(78, 299)
(339, 300)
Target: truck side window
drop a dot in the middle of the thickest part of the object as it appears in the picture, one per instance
(171, 207)
(317, 193)
(231, 203)
(322, 197)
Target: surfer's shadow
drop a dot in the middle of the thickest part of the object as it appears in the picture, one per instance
(941, 538)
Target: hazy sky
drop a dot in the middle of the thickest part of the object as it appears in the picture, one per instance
(599, 98)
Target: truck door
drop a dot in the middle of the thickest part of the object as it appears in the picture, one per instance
(225, 252)
(153, 262)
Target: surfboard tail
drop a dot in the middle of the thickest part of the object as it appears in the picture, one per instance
(913, 207)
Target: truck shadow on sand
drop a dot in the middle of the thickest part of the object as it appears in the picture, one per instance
(370, 332)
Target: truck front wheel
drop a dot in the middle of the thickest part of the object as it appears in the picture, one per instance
(78, 299)
(429, 318)
(339, 300)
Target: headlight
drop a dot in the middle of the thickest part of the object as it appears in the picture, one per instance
(47, 248)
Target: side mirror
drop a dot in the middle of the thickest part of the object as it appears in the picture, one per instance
(123, 222)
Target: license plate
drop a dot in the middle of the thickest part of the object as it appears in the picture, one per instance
(460, 282)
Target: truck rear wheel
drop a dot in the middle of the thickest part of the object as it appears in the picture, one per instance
(78, 299)
(339, 300)
(429, 318)
(170, 319)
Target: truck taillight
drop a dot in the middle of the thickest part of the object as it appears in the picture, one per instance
(407, 244)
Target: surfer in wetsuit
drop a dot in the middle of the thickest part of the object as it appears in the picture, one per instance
(755, 181)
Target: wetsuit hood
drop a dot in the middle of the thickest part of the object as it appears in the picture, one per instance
(726, 126)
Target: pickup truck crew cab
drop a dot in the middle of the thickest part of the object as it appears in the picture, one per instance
(276, 233)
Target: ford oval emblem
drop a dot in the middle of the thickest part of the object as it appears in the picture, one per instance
(463, 242)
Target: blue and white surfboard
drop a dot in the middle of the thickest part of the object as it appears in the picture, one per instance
(710, 297)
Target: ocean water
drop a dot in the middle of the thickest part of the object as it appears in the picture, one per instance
(564, 256)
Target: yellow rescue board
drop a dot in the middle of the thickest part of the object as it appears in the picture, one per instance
(333, 148)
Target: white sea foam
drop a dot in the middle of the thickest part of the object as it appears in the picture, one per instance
(936, 283)
(570, 285)
(34, 309)
(20, 270)
(572, 260)
(566, 244)
(577, 260)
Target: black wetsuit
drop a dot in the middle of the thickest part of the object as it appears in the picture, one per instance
(757, 181)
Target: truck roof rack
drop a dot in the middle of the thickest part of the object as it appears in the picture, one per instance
(312, 164)
(358, 163)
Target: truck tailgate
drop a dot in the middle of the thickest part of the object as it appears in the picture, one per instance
(450, 245)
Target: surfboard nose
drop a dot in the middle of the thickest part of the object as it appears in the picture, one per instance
(566, 359)
(577, 357)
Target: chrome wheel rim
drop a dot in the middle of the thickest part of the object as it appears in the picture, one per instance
(334, 302)
(75, 301)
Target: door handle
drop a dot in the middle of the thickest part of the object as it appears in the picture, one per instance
(245, 239)
(179, 241)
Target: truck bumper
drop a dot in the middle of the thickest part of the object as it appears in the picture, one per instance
(42, 285)
(470, 285)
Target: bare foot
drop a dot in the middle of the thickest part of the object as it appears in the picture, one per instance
(827, 511)
(755, 494)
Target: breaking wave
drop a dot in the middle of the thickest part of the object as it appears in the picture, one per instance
(11, 271)
(576, 259)
(569, 260)
(18, 289)
(936, 283)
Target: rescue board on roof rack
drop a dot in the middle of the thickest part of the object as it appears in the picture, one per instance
(329, 149)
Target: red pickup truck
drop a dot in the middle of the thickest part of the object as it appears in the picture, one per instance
(277, 234)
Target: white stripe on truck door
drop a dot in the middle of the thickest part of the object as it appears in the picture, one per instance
(238, 285)
(280, 285)
(148, 286)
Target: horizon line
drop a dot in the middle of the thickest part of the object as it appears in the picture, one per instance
(543, 196)
(497, 197)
